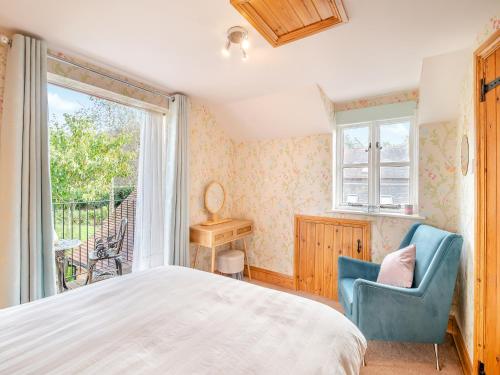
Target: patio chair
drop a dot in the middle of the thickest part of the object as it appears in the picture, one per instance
(106, 249)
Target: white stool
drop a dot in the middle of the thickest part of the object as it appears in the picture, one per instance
(231, 262)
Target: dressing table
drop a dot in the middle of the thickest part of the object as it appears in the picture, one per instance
(216, 235)
(217, 231)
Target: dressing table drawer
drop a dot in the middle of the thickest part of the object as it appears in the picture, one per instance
(244, 231)
(223, 237)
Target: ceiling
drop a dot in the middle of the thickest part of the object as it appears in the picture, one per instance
(441, 85)
(176, 45)
(287, 114)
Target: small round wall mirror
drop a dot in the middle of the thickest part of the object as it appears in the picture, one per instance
(465, 154)
(215, 196)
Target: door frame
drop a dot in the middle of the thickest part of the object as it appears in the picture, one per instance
(480, 202)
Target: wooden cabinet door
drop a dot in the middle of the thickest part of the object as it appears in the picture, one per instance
(319, 241)
(358, 243)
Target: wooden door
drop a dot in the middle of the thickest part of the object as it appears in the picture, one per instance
(487, 320)
(319, 241)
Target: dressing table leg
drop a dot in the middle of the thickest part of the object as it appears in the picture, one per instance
(246, 258)
(212, 268)
(196, 249)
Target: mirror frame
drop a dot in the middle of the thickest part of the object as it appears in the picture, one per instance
(213, 183)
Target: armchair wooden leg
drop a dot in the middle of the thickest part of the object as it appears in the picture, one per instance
(364, 362)
(437, 357)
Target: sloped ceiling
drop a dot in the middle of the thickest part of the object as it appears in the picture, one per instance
(293, 113)
(440, 85)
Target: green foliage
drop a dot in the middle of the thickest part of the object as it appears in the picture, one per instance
(87, 154)
(122, 192)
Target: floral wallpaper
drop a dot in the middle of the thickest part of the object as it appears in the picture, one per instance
(276, 179)
(74, 76)
(397, 97)
(211, 154)
(438, 160)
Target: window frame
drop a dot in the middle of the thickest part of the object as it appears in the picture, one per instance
(374, 166)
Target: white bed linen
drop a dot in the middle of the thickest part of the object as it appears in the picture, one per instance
(174, 320)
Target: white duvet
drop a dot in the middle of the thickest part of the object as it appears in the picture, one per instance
(174, 320)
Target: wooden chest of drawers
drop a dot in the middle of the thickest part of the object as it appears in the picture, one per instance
(319, 241)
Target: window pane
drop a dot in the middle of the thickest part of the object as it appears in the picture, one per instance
(394, 139)
(394, 185)
(355, 145)
(355, 185)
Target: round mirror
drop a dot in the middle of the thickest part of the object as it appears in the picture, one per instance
(214, 197)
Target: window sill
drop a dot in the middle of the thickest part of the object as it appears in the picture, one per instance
(398, 215)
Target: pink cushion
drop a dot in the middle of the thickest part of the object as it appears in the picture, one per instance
(397, 268)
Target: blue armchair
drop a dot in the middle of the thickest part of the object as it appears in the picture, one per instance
(417, 314)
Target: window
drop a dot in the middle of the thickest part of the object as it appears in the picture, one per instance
(376, 165)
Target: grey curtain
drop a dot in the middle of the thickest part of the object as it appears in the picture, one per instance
(177, 223)
(27, 270)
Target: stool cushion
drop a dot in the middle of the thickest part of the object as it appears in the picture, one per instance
(230, 261)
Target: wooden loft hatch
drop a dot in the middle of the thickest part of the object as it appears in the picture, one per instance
(284, 21)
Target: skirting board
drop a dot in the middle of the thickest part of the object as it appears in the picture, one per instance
(271, 277)
(463, 354)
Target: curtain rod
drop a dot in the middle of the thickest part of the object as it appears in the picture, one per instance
(5, 40)
(58, 58)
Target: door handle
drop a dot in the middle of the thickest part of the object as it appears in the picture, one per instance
(359, 246)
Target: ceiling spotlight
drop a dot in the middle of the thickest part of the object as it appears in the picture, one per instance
(245, 44)
(239, 36)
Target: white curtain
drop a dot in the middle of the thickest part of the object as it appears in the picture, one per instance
(27, 265)
(150, 242)
(162, 215)
(177, 225)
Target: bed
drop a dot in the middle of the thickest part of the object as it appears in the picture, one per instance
(175, 320)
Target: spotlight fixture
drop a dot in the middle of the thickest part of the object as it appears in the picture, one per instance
(239, 36)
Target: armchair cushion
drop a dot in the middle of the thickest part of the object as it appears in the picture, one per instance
(397, 268)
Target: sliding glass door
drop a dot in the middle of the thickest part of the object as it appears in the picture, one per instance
(94, 146)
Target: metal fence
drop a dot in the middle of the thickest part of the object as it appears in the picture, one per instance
(89, 221)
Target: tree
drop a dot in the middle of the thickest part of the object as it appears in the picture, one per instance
(86, 156)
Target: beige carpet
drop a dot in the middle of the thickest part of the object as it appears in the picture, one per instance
(388, 358)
